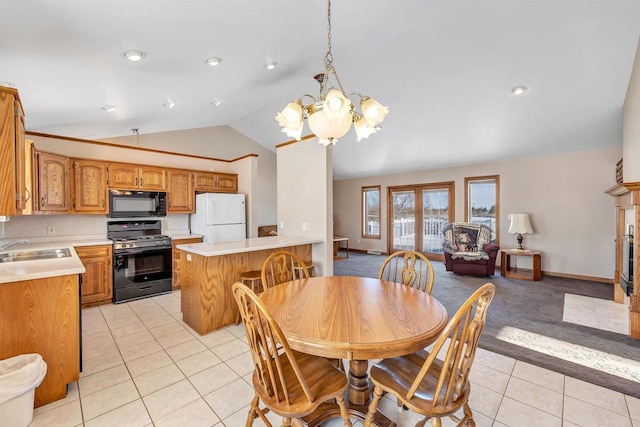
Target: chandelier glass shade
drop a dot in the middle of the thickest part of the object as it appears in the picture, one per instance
(331, 114)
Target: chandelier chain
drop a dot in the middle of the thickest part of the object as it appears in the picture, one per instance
(328, 58)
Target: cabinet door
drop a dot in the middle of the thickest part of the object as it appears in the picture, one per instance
(180, 193)
(177, 265)
(9, 193)
(90, 187)
(227, 183)
(204, 181)
(21, 196)
(122, 177)
(97, 280)
(53, 185)
(152, 178)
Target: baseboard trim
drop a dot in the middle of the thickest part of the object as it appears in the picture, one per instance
(578, 277)
(363, 251)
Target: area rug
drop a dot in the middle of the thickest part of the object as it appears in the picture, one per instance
(524, 321)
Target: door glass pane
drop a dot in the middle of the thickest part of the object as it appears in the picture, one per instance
(404, 220)
(482, 202)
(435, 216)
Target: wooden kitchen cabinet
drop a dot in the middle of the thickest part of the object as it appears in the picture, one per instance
(89, 178)
(97, 281)
(43, 316)
(227, 183)
(52, 183)
(13, 173)
(127, 177)
(180, 194)
(176, 257)
(215, 182)
(204, 181)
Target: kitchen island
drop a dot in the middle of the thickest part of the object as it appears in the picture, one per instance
(210, 269)
(40, 311)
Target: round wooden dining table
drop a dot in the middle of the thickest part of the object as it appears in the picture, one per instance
(354, 318)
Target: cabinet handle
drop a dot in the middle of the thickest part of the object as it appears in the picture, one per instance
(43, 201)
(141, 182)
(26, 190)
(136, 181)
(103, 203)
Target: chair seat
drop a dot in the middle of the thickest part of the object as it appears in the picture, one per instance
(398, 374)
(323, 380)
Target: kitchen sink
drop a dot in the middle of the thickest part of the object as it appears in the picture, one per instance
(35, 255)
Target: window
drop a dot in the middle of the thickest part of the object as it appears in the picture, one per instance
(371, 212)
(482, 202)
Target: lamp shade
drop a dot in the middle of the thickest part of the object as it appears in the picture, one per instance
(520, 224)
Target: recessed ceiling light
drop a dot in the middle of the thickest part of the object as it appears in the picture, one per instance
(270, 65)
(109, 108)
(7, 84)
(215, 61)
(134, 55)
(215, 103)
(170, 104)
(519, 90)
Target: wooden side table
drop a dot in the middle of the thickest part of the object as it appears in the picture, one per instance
(506, 270)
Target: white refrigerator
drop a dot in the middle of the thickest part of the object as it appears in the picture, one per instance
(219, 217)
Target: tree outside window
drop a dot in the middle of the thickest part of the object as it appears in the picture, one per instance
(371, 212)
(482, 202)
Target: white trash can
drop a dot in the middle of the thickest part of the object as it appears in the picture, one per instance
(19, 377)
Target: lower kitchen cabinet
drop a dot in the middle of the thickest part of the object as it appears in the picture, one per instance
(97, 281)
(176, 257)
(43, 316)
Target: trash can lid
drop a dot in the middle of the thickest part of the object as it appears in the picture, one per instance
(19, 374)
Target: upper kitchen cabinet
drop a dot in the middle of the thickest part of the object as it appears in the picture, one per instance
(52, 183)
(125, 177)
(89, 179)
(180, 193)
(215, 182)
(13, 193)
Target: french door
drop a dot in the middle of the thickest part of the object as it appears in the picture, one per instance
(418, 214)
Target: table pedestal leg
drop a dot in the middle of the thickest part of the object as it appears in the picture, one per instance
(357, 399)
(359, 392)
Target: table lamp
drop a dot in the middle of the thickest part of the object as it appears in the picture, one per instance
(520, 224)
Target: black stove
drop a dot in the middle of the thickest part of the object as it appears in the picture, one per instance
(142, 264)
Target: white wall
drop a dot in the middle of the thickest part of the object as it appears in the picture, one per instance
(573, 219)
(305, 196)
(631, 125)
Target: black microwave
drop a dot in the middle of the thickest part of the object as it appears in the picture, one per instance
(132, 204)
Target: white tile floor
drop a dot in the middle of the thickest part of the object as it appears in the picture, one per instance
(596, 313)
(143, 366)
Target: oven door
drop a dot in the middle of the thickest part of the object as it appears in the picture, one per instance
(139, 273)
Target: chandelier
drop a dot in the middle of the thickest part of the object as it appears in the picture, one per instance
(330, 114)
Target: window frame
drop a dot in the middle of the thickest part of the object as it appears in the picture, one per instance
(467, 203)
(364, 215)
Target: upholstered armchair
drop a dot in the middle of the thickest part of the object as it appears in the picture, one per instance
(468, 249)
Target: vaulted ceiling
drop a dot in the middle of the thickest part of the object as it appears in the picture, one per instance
(444, 68)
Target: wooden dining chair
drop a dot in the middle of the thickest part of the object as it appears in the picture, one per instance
(410, 268)
(289, 383)
(281, 267)
(429, 386)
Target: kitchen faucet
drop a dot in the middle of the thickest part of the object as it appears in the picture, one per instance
(8, 245)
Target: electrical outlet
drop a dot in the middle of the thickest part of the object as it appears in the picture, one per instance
(304, 226)
(51, 230)
(281, 224)
(169, 224)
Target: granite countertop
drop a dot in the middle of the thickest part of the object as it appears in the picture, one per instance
(247, 245)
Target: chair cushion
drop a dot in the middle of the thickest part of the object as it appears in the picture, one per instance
(470, 256)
